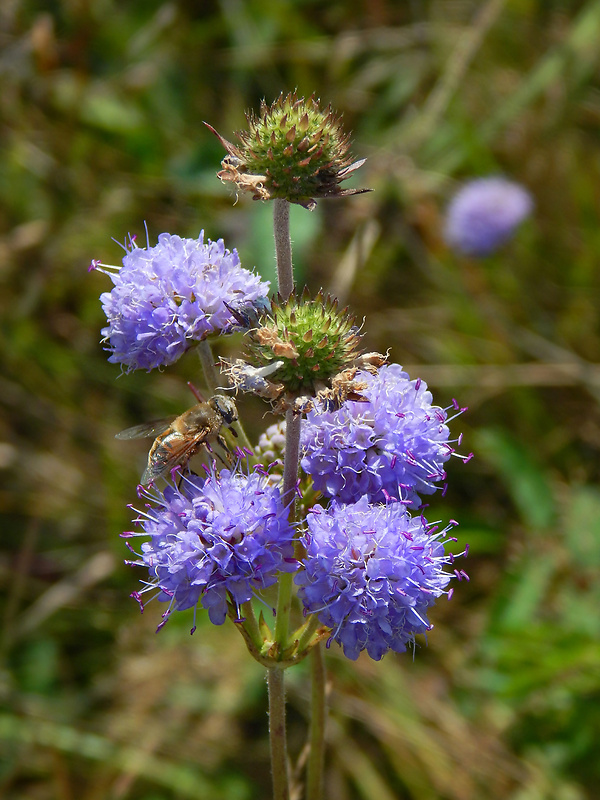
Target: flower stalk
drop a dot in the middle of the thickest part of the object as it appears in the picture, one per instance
(207, 361)
(283, 247)
(318, 707)
(277, 734)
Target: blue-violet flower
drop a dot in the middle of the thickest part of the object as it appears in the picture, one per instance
(484, 214)
(393, 445)
(173, 294)
(214, 539)
(371, 572)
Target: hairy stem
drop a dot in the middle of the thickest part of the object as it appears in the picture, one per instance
(283, 247)
(211, 374)
(291, 460)
(316, 756)
(251, 624)
(290, 479)
(277, 737)
(285, 279)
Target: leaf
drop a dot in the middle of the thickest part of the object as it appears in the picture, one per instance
(525, 479)
(582, 526)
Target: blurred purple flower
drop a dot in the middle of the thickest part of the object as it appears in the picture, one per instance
(214, 539)
(484, 214)
(371, 572)
(393, 445)
(173, 294)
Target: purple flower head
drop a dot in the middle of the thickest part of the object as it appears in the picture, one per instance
(168, 296)
(484, 214)
(393, 445)
(214, 539)
(371, 572)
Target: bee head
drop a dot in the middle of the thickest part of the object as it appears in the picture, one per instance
(225, 406)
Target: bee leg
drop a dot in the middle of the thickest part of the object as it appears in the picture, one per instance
(223, 443)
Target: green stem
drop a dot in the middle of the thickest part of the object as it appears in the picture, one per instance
(284, 605)
(290, 479)
(277, 736)
(211, 374)
(285, 278)
(283, 247)
(316, 756)
(251, 624)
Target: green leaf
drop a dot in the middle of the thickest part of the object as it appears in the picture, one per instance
(582, 526)
(525, 479)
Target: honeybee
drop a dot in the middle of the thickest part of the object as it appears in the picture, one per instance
(177, 440)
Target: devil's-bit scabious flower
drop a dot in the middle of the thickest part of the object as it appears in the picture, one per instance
(484, 214)
(171, 295)
(393, 444)
(370, 574)
(292, 150)
(215, 539)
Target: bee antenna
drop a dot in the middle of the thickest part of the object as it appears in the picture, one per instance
(195, 392)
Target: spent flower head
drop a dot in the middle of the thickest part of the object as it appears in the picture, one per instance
(292, 150)
(392, 444)
(167, 297)
(484, 214)
(215, 541)
(370, 574)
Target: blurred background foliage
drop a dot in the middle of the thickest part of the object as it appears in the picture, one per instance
(101, 111)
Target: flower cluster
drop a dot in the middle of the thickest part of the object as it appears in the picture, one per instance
(371, 572)
(393, 444)
(484, 214)
(214, 539)
(367, 563)
(370, 569)
(171, 295)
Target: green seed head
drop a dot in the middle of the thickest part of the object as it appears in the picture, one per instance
(312, 339)
(292, 150)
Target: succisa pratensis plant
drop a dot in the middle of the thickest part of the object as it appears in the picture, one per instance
(328, 502)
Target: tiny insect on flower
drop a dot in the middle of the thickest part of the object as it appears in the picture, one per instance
(178, 439)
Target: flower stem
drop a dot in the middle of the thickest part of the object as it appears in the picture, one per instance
(251, 625)
(285, 279)
(316, 756)
(291, 460)
(211, 376)
(283, 247)
(277, 737)
(290, 479)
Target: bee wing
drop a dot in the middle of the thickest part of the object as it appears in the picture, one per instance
(146, 429)
(173, 450)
